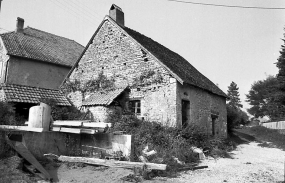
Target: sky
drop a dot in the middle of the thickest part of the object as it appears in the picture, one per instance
(224, 44)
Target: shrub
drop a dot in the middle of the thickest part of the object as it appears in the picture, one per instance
(7, 117)
(170, 143)
(62, 113)
(7, 114)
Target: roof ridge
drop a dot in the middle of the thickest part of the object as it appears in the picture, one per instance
(5, 84)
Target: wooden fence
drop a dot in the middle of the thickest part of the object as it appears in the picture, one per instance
(279, 125)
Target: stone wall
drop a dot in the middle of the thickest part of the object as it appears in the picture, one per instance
(203, 105)
(70, 144)
(118, 56)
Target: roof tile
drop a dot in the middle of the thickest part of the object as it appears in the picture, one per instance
(102, 98)
(177, 64)
(28, 94)
(43, 46)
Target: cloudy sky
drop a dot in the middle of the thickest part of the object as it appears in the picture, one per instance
(225, 44)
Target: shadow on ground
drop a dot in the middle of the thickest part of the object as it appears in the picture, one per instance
(241, 138)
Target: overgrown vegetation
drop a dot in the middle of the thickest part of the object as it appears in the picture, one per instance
(7, 117)
(170, 143)
(148, 77)
(63, 113)
(101, 82)
(7, 114)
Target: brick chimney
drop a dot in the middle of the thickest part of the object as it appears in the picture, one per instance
(117, 14)
(20, 25)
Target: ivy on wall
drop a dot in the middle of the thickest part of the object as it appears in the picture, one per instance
(148, 77)
(100, 83)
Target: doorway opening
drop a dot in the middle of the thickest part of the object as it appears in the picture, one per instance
(185, 113)
(214, 118)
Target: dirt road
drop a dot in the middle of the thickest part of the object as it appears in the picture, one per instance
(251, 163)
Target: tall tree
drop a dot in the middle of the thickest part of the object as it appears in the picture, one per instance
(280, 95)
(281, 66)
(235, 116)
(233, 94)
(262, 97)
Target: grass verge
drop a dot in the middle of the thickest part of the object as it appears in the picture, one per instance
(267, 137)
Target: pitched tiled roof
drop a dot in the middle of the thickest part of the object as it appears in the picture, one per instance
(102, 98)
(43, 46)
(28, 94)
(177, 64)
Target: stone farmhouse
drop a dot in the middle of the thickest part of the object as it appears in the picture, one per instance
(33, 64)
(160, 85)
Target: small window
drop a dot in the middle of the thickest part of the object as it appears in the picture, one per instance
(125, 63)
(135, 106)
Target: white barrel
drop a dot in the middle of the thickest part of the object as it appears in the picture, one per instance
(39, 117)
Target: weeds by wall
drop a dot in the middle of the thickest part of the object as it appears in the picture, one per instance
(7, 117)
(169, 142)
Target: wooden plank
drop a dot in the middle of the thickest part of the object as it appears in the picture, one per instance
(70, 130)
(89, 131)
(25, 153)
(67, 123)
(55, 129)
(96, 125)
(112, 163)
(21, 128)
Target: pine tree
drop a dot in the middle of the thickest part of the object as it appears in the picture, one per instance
(279, 97)
(233, 94)
(281, 66)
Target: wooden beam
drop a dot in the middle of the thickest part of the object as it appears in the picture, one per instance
(96, 125)
(55, 129)
(20, 128)
(112, 163)
(67, 123)
(70, 130)
(89, 131)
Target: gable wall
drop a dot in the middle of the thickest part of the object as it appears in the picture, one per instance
(3, 62)
(202, 105)
(35, 73)
(116, 55)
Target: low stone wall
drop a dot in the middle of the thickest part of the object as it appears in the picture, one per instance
(72, 144)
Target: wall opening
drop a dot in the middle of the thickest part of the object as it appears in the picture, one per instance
(214, 118)
(185, 113)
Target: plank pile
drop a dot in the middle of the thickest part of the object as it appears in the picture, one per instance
(79, 126)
